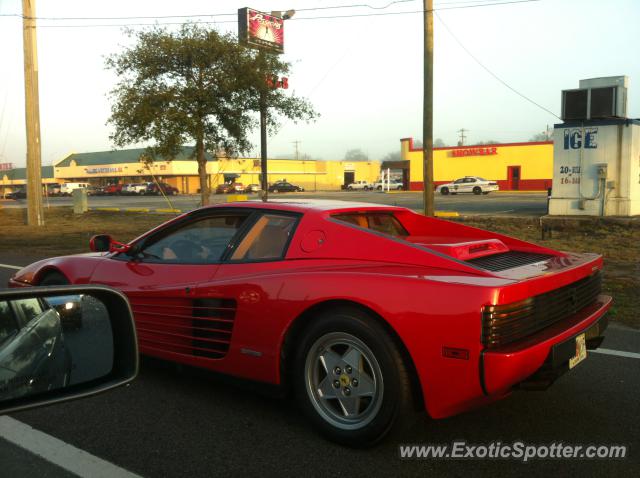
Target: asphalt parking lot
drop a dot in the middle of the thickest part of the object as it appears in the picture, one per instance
(501, 203)
(176, 421)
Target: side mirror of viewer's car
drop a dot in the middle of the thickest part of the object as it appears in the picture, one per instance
(61, 343)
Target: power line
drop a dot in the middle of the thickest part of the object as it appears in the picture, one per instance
(491, 72)
(466, 5)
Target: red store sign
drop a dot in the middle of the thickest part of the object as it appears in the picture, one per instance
(473, 152)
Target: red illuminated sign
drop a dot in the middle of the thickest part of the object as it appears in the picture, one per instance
(260, 30)
(6, 166)
(473, 152)
(276, 82)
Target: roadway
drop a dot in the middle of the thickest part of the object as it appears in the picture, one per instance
(502, 203)
(177, 421)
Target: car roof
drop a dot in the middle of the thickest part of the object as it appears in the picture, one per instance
(308, 205)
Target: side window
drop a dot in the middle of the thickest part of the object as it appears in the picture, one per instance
(387, 224)
(267, 239)
(379, 222)
(8, 325)
(458, 181)
(471, 180)
(199, 242)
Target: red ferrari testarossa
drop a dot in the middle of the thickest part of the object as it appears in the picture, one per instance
(363, 311)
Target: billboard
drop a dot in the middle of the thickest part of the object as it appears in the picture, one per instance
(6, 166)
(260, 30)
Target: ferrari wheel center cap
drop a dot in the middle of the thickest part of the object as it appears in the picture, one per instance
(344, 380)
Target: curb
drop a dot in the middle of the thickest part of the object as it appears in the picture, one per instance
(446, 214)
(134, 209)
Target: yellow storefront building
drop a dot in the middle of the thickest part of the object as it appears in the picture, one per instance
(124, 166)
(515, 166)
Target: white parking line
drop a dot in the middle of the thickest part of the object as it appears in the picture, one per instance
(8, 266)
(58, 452)
(617, 353)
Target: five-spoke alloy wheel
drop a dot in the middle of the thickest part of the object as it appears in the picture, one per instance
(349, 377)
(344, 381)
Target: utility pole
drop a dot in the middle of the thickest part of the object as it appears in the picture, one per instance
(263, 145)
(296, 142)
(35, 213)
(427, 114)
(462, 136)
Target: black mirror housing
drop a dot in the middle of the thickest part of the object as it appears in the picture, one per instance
(117, 323)
(100, 243)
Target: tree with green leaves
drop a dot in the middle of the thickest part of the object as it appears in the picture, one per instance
(196, 85)
(356, 155)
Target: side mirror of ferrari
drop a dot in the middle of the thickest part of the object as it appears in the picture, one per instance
(62, 343)
(100, 243)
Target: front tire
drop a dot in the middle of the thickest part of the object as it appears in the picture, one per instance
(444, 191)
(350, 379)
(54, 278)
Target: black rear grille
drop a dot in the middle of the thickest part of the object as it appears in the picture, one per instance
(508, 260)
(505, 324)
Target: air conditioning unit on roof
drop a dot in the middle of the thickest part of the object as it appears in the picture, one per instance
(596, 98)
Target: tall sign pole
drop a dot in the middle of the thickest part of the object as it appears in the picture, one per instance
(35, 213)
(427, 115)
(264, 32)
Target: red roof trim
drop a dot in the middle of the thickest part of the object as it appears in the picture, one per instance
(497, 145)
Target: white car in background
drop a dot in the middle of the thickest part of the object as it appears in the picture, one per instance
(394, 185)
(468, 184)
(135, 188)
(67, 188)
(360, 185)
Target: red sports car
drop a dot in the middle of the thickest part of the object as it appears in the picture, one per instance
(362, 310)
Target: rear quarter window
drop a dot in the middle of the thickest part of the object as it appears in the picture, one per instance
(385, 223)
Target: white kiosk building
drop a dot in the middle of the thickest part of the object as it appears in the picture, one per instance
(596, 156)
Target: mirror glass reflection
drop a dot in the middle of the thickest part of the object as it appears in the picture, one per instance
(51, 343)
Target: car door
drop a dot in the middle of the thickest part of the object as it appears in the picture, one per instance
(469, 184)
(458, 185)
(246, 284)
(161, 276)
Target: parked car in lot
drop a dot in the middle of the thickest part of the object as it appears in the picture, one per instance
(364, 311)
(161, 188)
(66, 189)
(17, 194)
(133, 189)
(468, 184)
(284, 187)
(95, 191)
(252, 188)
(394, 185)
(113, 189)
(53, 189)
(225, 188)
(360, 185)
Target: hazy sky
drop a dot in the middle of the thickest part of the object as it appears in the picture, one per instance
(363, 74)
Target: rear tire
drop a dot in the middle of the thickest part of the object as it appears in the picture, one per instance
(349, 378)
(477, 190)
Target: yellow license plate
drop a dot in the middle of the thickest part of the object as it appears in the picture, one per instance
(581, 351)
